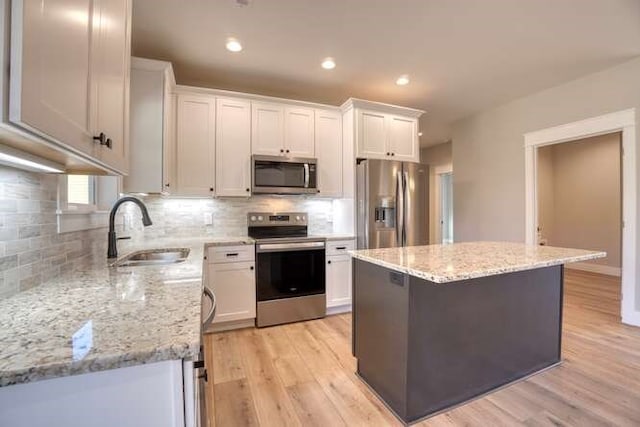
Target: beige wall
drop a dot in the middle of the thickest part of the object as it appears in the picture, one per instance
(579, 195)
(436, 155)
(488, 149)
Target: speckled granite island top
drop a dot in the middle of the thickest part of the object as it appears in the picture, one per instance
(469, 260)
(129, 316)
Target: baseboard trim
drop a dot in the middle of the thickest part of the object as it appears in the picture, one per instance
(595, 268)
(632, 318)
(338, 309)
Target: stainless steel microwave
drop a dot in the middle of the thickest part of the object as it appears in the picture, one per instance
(281, 175)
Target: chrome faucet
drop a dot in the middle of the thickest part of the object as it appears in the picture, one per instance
(112, 252)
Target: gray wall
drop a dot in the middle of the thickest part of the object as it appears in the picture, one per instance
(579, 195)
(488, 153)
(436, 155)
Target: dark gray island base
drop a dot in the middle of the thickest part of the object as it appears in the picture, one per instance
(424, 347)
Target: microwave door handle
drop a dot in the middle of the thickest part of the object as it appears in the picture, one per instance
(306, 175)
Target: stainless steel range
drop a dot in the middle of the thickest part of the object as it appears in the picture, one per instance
(290, 268)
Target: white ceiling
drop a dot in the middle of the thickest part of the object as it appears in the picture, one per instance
(462, 55)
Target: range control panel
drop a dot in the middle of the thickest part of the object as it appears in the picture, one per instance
(257, 219)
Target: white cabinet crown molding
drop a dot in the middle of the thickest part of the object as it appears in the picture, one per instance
(381, 107)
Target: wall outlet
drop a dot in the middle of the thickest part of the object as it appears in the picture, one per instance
(208, 218)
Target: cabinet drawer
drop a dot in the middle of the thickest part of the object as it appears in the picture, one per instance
(223, 254)
(340, 247)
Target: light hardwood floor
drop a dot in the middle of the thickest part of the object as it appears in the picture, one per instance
(303, 374)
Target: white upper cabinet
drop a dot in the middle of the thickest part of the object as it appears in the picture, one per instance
(233, 147)
(328, 141)
(372, 134)
(151, 123)
(383, 131)
(69, 74)
(195, 145)
(50, 70)
(403, 138)
(299, 138)
(267, 128)
(111, 59)
(282, 130)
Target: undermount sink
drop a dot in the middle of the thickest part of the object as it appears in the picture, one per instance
(153, 257)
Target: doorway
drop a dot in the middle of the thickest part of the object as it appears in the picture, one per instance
(441, 207)
(623, 122)
(579, 200)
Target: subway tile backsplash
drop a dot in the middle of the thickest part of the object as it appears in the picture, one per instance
(186, 217)
(31, 250)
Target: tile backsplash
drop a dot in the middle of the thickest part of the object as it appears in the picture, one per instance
(31, 250)
(186, 217)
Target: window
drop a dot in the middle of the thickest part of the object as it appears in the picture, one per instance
(84, 201)
(81, 193)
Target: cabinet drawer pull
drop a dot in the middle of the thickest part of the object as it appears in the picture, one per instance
(341, 248)
(251, 268)
(100, 138)
(233, 254)
(329, 262)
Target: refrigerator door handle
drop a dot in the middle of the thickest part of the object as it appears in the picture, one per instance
(405, 197)
(399, 209)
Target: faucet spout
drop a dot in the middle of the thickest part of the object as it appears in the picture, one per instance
(112, 251)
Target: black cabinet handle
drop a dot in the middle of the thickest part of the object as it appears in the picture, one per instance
(108, 143)
(210, 188)
(167, 185)
(247, 190)
(393, 154)
(287, 151)
(388, 154)
(100, 138)
(251, 268)
(232, 254)
(329, 262)
(341, 248)
(281, 150)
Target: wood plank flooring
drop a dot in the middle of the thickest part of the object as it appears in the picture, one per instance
(303, 374)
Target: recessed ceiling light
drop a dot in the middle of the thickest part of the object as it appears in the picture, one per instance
(233, 45)
(402, 80)
(328, 64)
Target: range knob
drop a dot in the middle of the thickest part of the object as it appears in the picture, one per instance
(298, 218)
(253, 218)
(303, 218)
(260, 218)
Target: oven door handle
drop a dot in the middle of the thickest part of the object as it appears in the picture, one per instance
(289, 247)
(306, 175)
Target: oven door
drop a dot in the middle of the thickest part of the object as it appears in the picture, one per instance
(276, 175)
(287, 270)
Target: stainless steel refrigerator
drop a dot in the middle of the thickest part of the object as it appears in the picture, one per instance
(392, 204)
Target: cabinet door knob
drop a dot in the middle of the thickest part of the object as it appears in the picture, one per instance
(100, 138)
(108, 143)
(251, 268)
(247, 190)
(388, 154)
(393, 154)
(166, 185)
(282, 150)
(210, 188)
(329, 262)
(287, 151)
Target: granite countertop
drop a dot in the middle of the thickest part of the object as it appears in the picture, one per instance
(129, 316)
(469, 260)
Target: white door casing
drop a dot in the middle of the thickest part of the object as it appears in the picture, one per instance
(621, 121)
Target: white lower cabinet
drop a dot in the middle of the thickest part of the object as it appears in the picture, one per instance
(233, 282)
(141, 395)
(338, 275)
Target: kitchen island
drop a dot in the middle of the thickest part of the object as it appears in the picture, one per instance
(435, 326)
